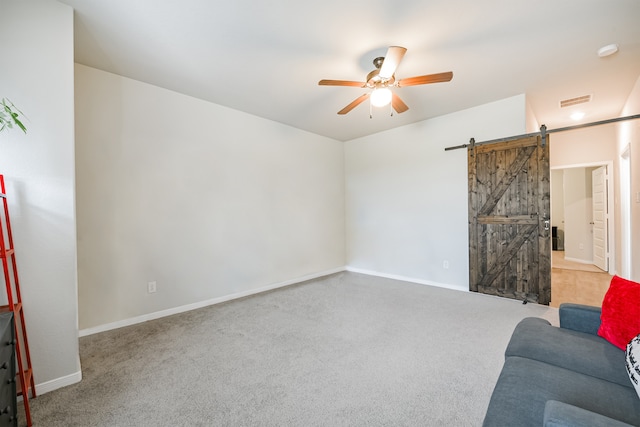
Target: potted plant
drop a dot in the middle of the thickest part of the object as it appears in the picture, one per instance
(10, 116)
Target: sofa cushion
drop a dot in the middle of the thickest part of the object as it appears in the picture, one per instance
(579, 317)
(536, 338)
(620, 318)
(525, 386)
(632, 362)
(558, 414)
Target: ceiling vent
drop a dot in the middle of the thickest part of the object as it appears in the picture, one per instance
(575, 101)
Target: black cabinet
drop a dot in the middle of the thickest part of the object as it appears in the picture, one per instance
(8, 396)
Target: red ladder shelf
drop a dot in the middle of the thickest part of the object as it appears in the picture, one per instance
(14, 304)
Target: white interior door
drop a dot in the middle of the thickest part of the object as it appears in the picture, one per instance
(600, 219)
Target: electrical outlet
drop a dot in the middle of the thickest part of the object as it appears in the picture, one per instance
(151, 287)
(445, 264)
(581, 246)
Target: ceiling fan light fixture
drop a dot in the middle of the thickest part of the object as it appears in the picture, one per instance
(381, 79)
(381, 97)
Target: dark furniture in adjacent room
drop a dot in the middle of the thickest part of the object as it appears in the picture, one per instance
(8, 395)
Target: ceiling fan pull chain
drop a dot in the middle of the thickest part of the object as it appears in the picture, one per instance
(370, 110)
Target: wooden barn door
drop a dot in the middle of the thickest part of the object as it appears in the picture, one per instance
(509, 227)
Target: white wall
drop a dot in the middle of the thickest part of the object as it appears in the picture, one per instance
(532, 124)
(582, 147)
(37, 75)
(628, 135)
(207, 201)
(589, 146)
(406, 198)
(557, 204)
(557, 198)
(578, 214)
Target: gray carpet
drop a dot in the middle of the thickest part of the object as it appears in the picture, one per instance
(344, 350)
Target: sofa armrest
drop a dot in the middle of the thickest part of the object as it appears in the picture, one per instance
(581, 318)
(559, 414)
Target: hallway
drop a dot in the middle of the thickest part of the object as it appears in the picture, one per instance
(576, 283)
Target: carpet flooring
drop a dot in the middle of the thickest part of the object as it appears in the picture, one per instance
(343, 350)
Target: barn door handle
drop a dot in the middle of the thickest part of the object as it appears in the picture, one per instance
(547, 222)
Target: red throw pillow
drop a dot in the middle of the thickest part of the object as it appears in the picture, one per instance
(620, 318)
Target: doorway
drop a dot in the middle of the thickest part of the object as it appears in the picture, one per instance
(582, 217)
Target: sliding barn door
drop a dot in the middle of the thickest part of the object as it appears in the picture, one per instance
(509, 227)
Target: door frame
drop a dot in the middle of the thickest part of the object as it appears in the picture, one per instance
(625, 211)
(610, 204)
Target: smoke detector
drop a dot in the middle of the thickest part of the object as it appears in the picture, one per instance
(607, 50)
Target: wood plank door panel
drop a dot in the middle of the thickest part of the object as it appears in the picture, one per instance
(509, 236)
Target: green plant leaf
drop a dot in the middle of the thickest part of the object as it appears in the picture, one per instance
(20, 125)
(10, 116)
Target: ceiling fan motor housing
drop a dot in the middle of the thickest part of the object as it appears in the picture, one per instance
(374, 80)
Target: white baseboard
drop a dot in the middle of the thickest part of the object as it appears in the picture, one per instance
(48, 386)
(406, 279)
(76, 377)
(201, 304)
(57, 383)
(578, 260)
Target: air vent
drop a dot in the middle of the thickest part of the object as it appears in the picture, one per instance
(574, 101)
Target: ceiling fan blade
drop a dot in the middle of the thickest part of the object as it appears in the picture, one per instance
(429, 78)
(391, 61)
(398, 104)
(341, 83)
(354, 104)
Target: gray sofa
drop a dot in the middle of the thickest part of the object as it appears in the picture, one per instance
(566, 376)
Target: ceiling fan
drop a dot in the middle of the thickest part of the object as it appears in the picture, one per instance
(383, 78)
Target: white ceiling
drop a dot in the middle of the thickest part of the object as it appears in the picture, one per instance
(266, 57)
